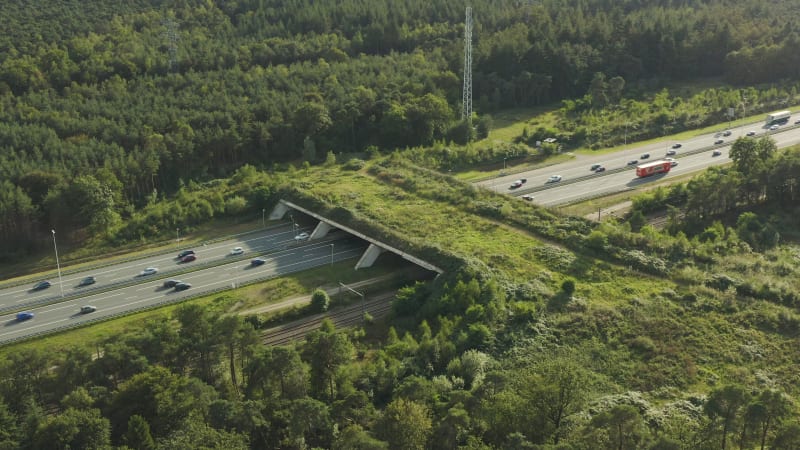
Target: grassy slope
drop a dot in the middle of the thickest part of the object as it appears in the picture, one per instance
(666, 335)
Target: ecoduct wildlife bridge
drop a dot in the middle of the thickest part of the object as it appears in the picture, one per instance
(325, 226)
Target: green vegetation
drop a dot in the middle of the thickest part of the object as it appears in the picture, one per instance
(122, 121)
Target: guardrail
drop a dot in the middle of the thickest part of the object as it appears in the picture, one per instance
(138, 279)
(324, 261)
(115, 261)
(522, 191)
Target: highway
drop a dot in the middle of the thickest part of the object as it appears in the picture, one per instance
(149, 291)
(16, 297)
(579, 182)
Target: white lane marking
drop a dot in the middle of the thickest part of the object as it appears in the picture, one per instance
(131, 297)
(63, 307)
(33, 326)
(146, 288)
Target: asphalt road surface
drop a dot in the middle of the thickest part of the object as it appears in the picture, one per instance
(569, 190)
(149, 291)
(15, 297)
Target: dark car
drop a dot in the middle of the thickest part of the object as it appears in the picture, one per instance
(600, 169)
(718, 141)
(189, 258)
(645, 156)
(671, 153)
(677, 145)
(185, 253)
(87, 281)
(88, 309)
(595, 167)
(182, 286)
(716, 153)
(25, 315)
(633, 162)
(257, 262)
(171, 283)
(726, 133)
(41, 285)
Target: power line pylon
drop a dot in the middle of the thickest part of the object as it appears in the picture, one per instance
(466, 100)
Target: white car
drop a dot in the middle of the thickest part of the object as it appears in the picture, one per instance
(751, 133)
(237, 251)
(554, 179)
(149, 271)
(774, 127)
(527, 197)
(671, 161)
(301, 237)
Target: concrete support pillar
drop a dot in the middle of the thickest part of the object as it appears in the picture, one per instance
(279, 211)
(322, 230)
(369, 256)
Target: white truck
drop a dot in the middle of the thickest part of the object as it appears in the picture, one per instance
(778, 116)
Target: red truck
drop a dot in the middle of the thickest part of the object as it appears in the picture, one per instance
(652, 168)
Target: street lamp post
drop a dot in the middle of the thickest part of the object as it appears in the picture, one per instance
(58, 265)
(263, 223)
(625, 143)
(177, 234)
(331, 254)
(504, 166)
(363, 299)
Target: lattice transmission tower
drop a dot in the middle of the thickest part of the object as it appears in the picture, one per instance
(466, 99)
(172, 38)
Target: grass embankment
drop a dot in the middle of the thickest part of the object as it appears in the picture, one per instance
(673, 334)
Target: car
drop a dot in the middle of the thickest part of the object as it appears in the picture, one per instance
(171, 283)
(718, 141)
(518, 183)
(554, 179)
(595, 167)
(185, 253)
(645, 156)
(237, 251)
(600, 169)
(189, 258)
(149, 271)
(25, 315)
(88, 309)
(41, 285)
(727, 133)
(258, 262)
(87, 281)
(301, 237)
(671, 161)
(676, 145)
(182, 286)
(797, 121)
(527, 197)
(716, 153)
(750, 133)
(633, 162)
(671, 152)
(774, 127)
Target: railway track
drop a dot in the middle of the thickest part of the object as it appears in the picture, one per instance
(378, 307)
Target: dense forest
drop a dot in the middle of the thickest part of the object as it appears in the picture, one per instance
(120, 120)
(105, 105)
(605, 336)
